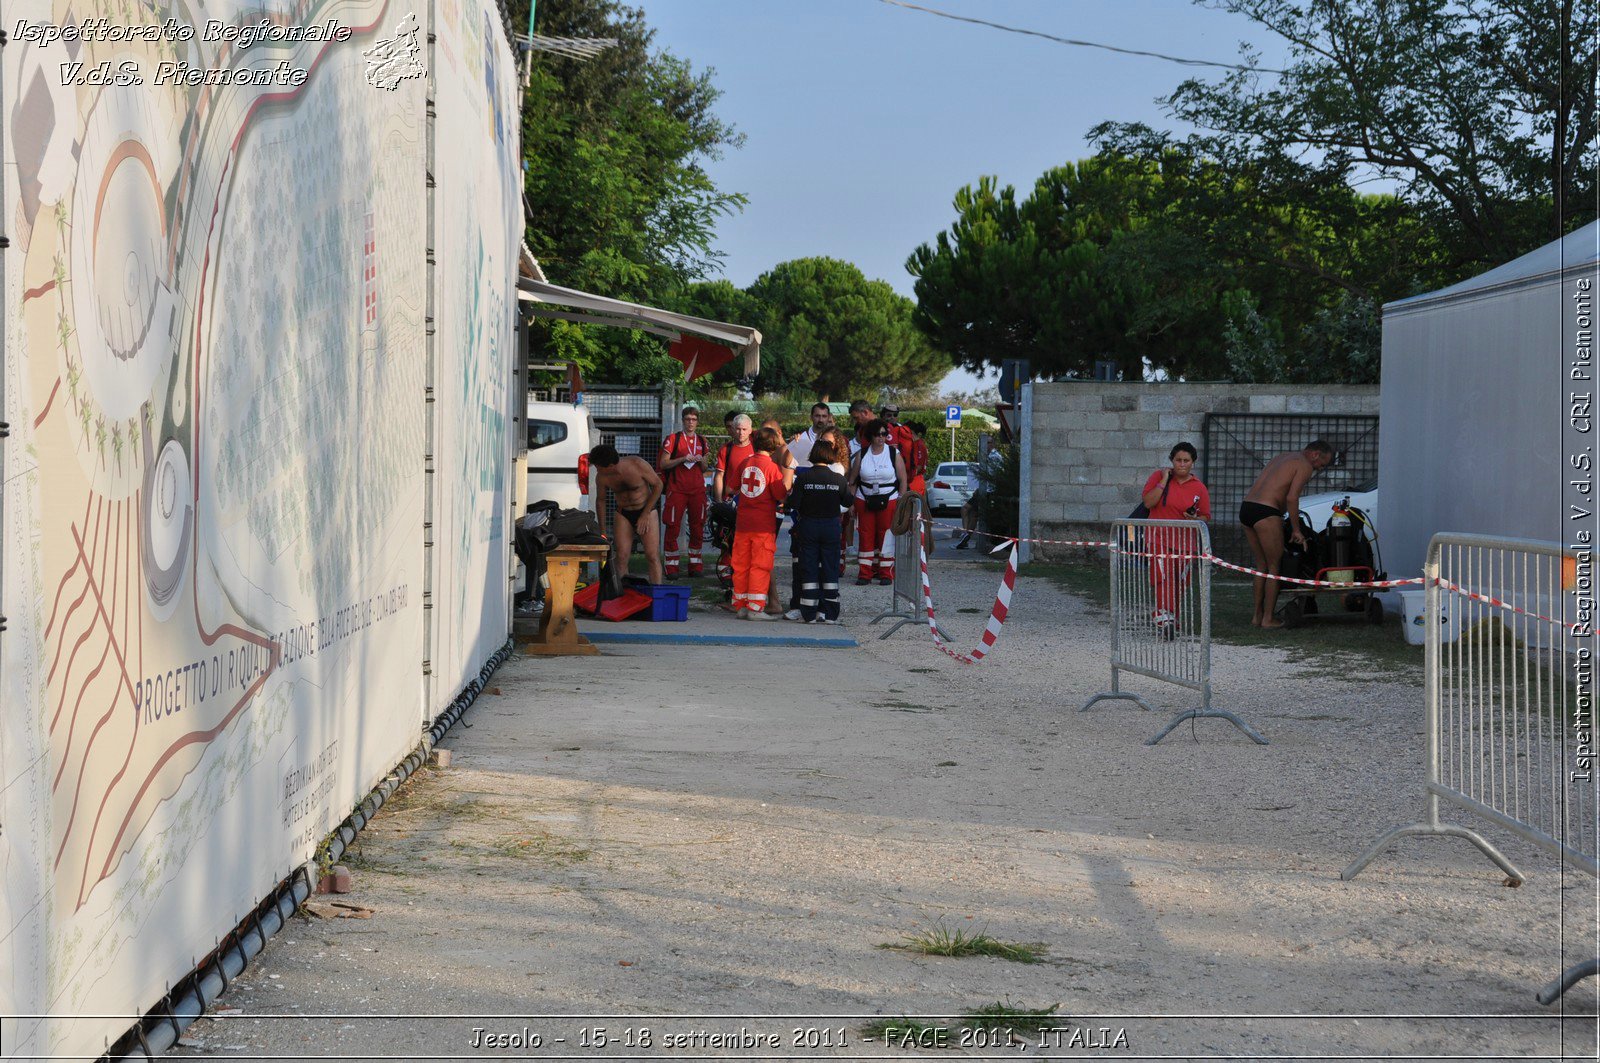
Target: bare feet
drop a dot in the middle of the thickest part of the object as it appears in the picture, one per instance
(1272, 623)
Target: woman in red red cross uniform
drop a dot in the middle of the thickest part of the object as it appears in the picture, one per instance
(878, 478)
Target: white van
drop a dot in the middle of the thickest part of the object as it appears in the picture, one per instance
(560, 436)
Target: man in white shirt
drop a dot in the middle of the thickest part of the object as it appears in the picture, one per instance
(800, 446)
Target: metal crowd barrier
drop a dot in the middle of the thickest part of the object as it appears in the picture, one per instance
(1509, 706)
(1167, 639)
(905, 601)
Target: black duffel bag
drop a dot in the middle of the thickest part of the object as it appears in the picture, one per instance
(574, 525)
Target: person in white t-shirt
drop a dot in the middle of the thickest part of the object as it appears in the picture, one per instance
(800, 446)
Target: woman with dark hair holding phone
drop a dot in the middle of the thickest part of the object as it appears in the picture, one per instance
(1173, 493)
(878, 477)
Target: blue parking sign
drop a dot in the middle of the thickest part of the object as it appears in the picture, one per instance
(952, 416)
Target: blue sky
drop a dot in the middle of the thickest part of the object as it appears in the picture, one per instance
(863, 119)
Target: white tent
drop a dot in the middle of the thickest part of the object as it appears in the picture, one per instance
(1476, 401)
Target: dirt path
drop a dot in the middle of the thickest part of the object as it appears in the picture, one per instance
(738, 831)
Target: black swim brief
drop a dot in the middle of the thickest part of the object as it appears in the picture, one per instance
(1253, 513)
(633, 515)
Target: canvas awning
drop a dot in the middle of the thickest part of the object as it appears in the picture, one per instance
(686, 335)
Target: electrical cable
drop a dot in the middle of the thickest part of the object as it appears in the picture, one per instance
(1080, 44)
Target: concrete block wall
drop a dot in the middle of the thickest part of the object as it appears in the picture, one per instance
(1095, 442)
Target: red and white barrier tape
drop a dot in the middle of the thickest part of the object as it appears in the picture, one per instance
(1455, 588)
(1349, 585)
(997, 615)
(1013, 540)
(1008, 582)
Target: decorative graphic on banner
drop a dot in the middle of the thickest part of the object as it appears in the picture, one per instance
(211, 520)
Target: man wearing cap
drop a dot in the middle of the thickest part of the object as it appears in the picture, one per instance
(899, 435)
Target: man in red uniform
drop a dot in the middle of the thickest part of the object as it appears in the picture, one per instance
(761, 487)
(917, 458)
(682, 461)
(732, 454)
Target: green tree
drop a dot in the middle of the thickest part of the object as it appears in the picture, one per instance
(836, 333)
(1481, 111)
(1024, 279)
(1161, 263)
(618, 200)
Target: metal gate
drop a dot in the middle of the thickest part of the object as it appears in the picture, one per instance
(1509, 717)
(1237, 446)
(1160, 626)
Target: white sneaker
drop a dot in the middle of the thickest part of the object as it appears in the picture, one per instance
(751, 614)
(793, 614)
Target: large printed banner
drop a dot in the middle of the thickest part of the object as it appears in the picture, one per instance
(211, 508)
(479, 230)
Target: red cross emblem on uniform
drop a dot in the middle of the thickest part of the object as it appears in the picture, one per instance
(752, 482)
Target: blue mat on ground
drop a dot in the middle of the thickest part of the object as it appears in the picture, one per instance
(652, 639)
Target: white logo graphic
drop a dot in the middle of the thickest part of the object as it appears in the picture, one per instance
(394, 60)
(753, 482)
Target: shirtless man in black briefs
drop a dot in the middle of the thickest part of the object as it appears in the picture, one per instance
(1275, 492)
(636, 488)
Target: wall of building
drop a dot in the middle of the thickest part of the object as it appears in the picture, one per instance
(1475, 396)
(1094, 443)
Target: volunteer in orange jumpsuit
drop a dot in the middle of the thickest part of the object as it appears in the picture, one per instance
(724, 488)
(762, 488)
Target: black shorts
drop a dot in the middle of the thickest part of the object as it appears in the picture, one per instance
(1253, 513)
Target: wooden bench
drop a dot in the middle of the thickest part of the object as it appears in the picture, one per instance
(558, 628)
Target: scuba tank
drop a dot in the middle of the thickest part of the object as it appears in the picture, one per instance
(1343, 538)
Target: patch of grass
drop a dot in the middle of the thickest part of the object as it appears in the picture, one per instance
(540, 845)
(940, 940)
(1009, 1019)
(945, 764)
(969, 609)
(708, 593)
(922, 669)
(896, 705)
(544, 846)
(1348, 650)
(356, 859)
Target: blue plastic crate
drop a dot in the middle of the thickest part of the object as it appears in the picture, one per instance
(669, 602)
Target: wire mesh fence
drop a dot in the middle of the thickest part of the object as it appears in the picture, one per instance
(1237, 446)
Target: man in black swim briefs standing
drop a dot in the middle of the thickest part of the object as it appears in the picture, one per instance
(1275, 492)
(636, 488)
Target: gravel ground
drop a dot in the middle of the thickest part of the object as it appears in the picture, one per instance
(722, 837)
